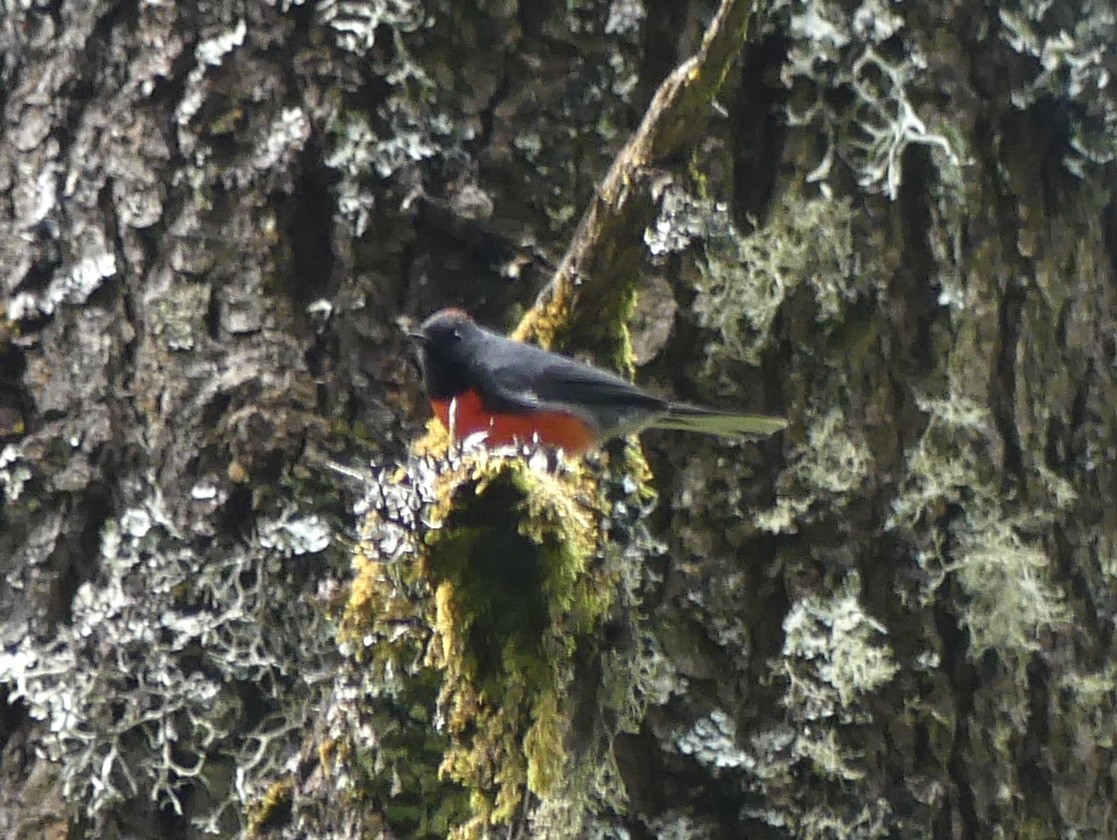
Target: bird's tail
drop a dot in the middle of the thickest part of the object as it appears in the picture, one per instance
(693, 418)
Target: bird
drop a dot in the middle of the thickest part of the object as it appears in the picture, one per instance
(481, 383)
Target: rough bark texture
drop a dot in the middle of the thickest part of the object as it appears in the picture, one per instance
(894, 222)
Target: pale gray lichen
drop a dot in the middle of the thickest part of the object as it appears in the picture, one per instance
(712, 741)
(1083, 735)
(836, 48)
(834, 662)
(744, 279)
(71, 285)
(411, 134)
(874, 819)
(1004, 571)
(1072, 63)
(282, 141)
(420, 142)
(353, 146)
(416, 121)
(295, 535)
(682, 219)
(210, 52)
(825, 473)
(834, 659)
(354, 22)
(143, 692)
(834, 654)
(625, 17)
(674, 824)
(14, 472)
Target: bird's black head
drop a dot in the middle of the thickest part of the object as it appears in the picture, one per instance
(446, 341)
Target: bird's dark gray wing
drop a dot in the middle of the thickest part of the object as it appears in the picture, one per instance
(526, 378)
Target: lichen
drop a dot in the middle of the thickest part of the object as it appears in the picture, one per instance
(713, 741)
(1069, 64)
(835, 48)
(355, 24)
(1012, 601)
(839, 646)
(14, 473)
(144, 691)
(383, 753)
(799, 772)
(1004, 571)
(352, 148)
(824, 474)
(1083, 736)
(744, 280)
(834, 659)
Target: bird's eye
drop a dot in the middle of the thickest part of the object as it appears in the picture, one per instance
(457, 335)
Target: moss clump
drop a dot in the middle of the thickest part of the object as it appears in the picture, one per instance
(515, 591)
(544, 323)
(273, 810)
(478, 580)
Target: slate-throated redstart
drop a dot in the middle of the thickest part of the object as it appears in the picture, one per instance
(479, 381)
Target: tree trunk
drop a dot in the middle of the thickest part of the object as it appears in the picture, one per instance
(895, 225)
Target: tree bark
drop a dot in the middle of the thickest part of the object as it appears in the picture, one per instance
(893, 225)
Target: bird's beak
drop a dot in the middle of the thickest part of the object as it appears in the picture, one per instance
(417, 337)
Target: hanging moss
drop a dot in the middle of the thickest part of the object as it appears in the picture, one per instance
(515, 590)
(480, 578)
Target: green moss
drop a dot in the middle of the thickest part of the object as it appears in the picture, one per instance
(515, 591)
(542, 324)
(474, 624)
(386, 625)
(499, 576)
(273, 811)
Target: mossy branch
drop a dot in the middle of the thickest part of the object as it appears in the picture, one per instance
(595, 282)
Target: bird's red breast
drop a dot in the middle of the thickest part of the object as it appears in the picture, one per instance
(552, 428)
